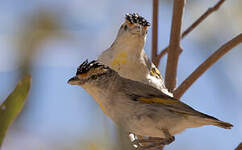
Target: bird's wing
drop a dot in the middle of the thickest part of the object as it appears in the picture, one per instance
(135, 88)
(144, 93)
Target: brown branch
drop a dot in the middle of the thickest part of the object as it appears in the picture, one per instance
(239, 147)
(194, 25)
(174, 45)
(206, 65)
(202, 17)
(155, 31)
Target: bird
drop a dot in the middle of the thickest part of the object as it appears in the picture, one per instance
(126, 55)
(138, 107)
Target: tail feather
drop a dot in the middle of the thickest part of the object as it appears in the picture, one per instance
(214, 121)
(224, 125)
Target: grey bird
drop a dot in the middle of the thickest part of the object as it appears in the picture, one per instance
(137, 107)
(127, 56)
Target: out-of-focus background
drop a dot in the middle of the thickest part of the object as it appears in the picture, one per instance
(49, 39)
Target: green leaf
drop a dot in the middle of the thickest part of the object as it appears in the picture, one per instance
(13, 105)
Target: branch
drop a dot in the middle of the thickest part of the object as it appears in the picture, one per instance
(174, 45)
(207, 64)
(194, 25)
(202, 18)
(239, 147)
(155, 31)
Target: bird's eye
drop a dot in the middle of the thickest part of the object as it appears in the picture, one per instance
(125, 27)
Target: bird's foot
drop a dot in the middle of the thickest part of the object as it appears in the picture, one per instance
(154, 143)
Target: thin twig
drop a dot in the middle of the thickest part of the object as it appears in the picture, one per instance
(203, 17)
(206, 65)
(193, 26)
(155, 31)
(174, 45)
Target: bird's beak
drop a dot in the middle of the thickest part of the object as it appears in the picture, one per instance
(74, 81)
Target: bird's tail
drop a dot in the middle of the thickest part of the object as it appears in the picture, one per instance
(214, 121)
(223, 124)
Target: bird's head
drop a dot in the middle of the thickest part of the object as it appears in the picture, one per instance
(89, 72)
(134, 26)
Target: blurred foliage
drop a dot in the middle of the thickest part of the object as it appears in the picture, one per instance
(37, 29)
(13, 105)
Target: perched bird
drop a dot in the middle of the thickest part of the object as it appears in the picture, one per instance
(137, 107)
(127, 56)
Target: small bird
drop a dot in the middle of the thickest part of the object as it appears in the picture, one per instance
(137, 107)
(127, 56)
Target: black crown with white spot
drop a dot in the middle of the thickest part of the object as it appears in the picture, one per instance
(85, 66)
(136, 18)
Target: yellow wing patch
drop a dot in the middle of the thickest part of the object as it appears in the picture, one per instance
(157, 100)
(121, 58)
(155, 72)
(164, 101)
